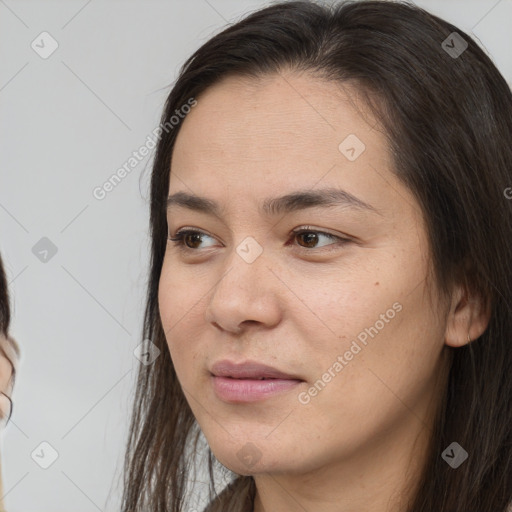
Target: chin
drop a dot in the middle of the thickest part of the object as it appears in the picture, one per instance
(251, 456)
(251, 468)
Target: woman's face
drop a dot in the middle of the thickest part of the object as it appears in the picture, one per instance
(5, 374)
(6, 371)
(349, 323)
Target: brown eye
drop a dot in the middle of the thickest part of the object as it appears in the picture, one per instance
(188, 239)
(310, 238)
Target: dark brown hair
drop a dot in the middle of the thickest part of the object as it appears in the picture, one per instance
(11, 352)
(5, 310)
(448, 121)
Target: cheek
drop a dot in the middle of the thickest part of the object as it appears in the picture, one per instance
(339, 302)
(182, 315)
(390, 344)
(377, 315)
(5, 373)
(178, 297)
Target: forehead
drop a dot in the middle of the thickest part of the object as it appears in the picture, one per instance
(248, 139)
(276, 117)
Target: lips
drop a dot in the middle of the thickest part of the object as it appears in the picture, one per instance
(249, 370)
(250, 382)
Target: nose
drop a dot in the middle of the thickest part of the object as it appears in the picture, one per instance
(245, 294)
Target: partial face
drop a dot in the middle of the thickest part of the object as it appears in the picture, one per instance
(332, 296)
(6, 371)
(5, 374)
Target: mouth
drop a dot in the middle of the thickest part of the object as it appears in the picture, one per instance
(249, 370)
(249, 378)
(250, 381)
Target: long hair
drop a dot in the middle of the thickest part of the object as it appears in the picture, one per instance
(447, 115)
(8, 346)
(10, 350)
(5, 309)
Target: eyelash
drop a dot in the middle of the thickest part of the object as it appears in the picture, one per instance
(180, 235)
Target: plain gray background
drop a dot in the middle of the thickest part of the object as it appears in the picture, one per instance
(68, 122)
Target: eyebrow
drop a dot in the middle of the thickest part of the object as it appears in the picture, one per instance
(273, 206)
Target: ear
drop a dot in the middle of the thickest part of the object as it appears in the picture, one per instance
(469, 315)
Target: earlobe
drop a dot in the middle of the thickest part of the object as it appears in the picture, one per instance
(467, 319)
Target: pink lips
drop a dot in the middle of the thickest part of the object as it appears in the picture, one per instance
(249, 381)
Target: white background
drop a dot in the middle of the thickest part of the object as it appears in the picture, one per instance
(67, 124)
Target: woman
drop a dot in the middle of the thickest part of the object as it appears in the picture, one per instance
(9, 355)
(331, 272)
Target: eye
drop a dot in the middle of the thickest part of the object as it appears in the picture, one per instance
(311, 236)
(189, 239)
(184, 235)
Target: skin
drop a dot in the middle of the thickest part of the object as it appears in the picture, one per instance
(359, 443)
